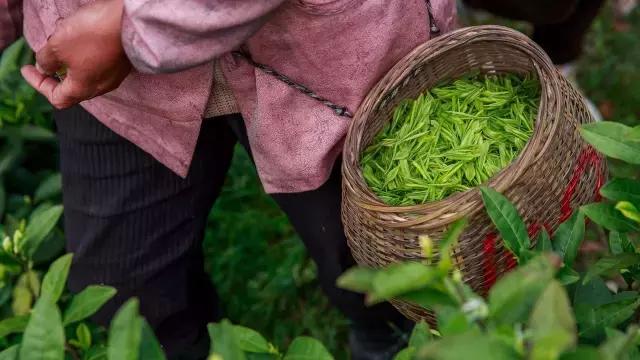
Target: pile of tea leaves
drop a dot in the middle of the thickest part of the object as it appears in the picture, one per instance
(451, 138)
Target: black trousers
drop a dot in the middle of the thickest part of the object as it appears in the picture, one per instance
(135, 225)
(560, 26)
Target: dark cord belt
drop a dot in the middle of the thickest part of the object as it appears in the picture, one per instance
(338, 109)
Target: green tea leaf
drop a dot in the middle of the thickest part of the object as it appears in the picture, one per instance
(507, 220)
(306, 348)
(9, 62)
(358, 279)
(429, 298)
(608, 217)
(593, 292)
(421, 335)
(543, 242)
(13, 325)
(150, 348)
(568, 237)
(55, 279)
(512, 298)
(628, 210)
(476, 346)
(10, 353)
(224, 341)
(87, 303)
(583, 352)
(38, 229)
(552, 325)
(567, 276)
(622, 190)
(401, 278)
(251, 341)
(609, 138)
(593, 320)
(50, 187)
(35, 133)
(125, 333)
(44, 336)
(452, 321)
(83, 335)
(3, 198)
(620, 345)
(406, 354)
(611, 263)
(618, 243)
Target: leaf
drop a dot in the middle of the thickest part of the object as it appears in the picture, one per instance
(429, 298)
(87, 303)
(50, 187)
(10, 353)
(83, 335)
(38, 229)
(224, 342)
(421, 335)
(125, 334)
(22, 296)
(9, 62)
(10, 155)
(506, 219)
(3, 198)
(622, 190)
(628, 210)
(449, 240)
(543, 243)
(13, 325)
(609, 138)
(618, 243)
(567, 276)
(583, 352)
(593, 320)
(552, 325)
(568, 237)
(35, 133)
(619, 345)
(608, 217)
(401, 278)
(43, 338)
(405, 354)
(55, 279)
(452, 321)
(611, 263)
(98, 352)
(470, 345)
(358, 279)
(150, 348)
(251, 341)
(512, 298)
(593, 292)
(306, 348)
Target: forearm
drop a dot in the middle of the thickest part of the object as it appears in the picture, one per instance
(10, 22)
(173, 35)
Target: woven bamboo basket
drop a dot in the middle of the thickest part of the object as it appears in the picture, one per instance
(555, 173)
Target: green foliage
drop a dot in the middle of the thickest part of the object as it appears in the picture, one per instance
(506, 219)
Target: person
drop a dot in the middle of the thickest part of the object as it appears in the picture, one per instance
(151, 98)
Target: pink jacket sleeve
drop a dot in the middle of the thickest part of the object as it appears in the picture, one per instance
(10, 22)
(171, 35)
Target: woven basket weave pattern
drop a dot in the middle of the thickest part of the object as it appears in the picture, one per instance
(536, 181)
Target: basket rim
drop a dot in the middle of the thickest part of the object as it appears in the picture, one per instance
(416, 215)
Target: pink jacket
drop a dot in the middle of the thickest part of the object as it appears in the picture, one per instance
(339, 48)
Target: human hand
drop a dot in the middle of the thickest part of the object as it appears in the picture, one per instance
(88, 46)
